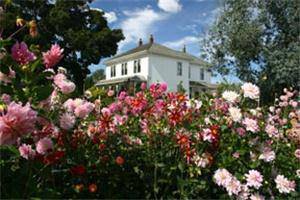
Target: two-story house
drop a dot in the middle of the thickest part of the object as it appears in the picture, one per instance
(152, 63)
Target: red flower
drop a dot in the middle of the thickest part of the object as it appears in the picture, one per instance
(78, 170)
(53, 158)
(120, 160)
(92, 188)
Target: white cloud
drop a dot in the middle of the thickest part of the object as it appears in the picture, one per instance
(139, 24)
(171, 6)
(187, 40)
(110, 16)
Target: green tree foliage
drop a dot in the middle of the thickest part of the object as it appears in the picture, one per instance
(259, 42)
(82, 32)
(94, 78)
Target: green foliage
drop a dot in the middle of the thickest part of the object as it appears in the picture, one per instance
(82, 32)
(259, 42)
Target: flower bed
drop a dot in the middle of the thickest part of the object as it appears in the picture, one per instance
(151, 145)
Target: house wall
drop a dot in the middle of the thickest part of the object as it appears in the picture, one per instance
(130, 69)
(164, 69)
(195, 73)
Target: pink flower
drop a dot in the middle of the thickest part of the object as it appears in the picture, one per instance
(83, 110)
(222, 177)
(65, 85)
(284, 185)
(26, 151)
(53, 56)
(143, 86)
(44, 145)
(21, 54)
(236, 155)
(271, 130)
(6, 78)
(268, 155)
(110, 93)
(251, 125)
(18, 120)
(67, 121)
(5, 98)
(254, 179)
(297, 153)
(251, 91)
(241, 131)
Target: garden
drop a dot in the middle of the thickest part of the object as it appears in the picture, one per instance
(58, 143)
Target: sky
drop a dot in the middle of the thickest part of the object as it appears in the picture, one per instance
(173, 23)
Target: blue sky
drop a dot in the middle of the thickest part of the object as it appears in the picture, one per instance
(172, 22)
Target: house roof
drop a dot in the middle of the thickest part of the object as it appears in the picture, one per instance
(158, 49)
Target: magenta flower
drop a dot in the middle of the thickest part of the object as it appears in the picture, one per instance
(18, 120)
(21, 54)
(53, 56)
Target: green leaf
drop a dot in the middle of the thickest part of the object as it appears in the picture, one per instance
(4, 69)
(43, 92)
(4, 43)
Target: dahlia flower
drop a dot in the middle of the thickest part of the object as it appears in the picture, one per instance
(271, 130)
(222, 177)
(44, 145)
(53, 56)
(251, 125)
(257, 197)
(250, 90)
(268, 155)
(284, 185)
(297, 153)
(65, 85)
(67, 121)
(254, 179)
(6, 78)
(230, 96)
(83, 110)
(26, 151)
(18, 120)
(233, 187)
(21, 54)
(235, 114)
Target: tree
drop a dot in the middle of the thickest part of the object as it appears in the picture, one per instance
(82, 32)
(258, 41)
(94, 78)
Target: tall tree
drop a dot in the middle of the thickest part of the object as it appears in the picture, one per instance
(82, 32)
(258, 41)
(94, 78)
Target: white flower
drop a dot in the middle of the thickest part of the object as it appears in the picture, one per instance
(222, 177)
(250, 90)
(235, 114)
(284, 185)
(254, 179)
(256, 197)
(233, 187)
(230, 96)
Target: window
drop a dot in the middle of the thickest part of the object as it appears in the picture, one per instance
(113, 71)
(137, 66)
(202, 74)
(189, 71)
(179, 68)
(124, 68)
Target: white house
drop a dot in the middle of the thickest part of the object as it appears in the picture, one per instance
(152, 63)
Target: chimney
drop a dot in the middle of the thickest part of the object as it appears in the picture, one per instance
(140, 42)
(151, 39)
(184, 49)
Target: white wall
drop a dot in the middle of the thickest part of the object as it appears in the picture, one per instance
(195, 73)
(164, 69)
(130, 69)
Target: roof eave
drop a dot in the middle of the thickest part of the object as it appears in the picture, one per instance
(125, 57)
